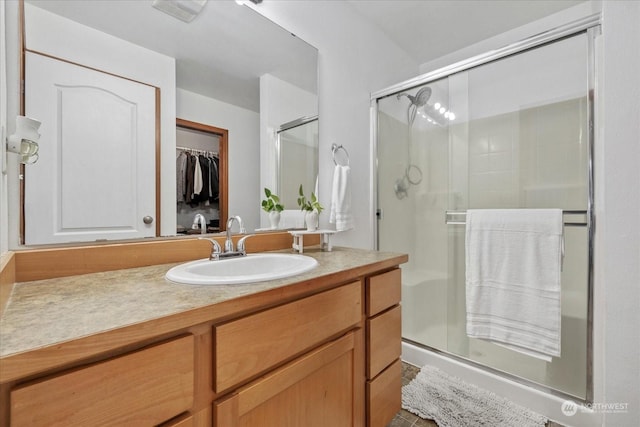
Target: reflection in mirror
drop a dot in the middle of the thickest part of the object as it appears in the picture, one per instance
(297, 148)
(201, 177)
(211, 71)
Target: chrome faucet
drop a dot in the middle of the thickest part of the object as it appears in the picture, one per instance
(229, 251)
(201, 220)
(228, 244)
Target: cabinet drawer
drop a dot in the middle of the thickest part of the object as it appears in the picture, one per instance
(251, 345)
(384, 340)
(147, 387)
(383, 291)
(384, 395)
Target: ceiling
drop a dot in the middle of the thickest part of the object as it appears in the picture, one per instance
(428, 29)
(220, 54)
(227, 47)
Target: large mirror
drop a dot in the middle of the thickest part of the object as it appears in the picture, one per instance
(230, 69)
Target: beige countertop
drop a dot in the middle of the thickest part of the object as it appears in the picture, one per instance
(46, 313)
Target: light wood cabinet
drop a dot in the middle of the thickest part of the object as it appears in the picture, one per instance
(383, 291)
(383, 347)
(384, 342)
(147, 387)
(328, 357)
(202, 418)
(251, 345)
(384, 395)
(316, 390)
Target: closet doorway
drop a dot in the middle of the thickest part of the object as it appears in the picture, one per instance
(201, 176)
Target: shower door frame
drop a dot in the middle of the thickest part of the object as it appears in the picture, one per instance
(589, 25)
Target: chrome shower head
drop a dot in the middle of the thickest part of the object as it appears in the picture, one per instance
(420, 98)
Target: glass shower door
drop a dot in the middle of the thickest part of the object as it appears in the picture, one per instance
(512, 133)
(413, 194)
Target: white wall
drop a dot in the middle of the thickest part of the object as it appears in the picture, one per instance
(354, 59)
(244, 149)
(618, 211)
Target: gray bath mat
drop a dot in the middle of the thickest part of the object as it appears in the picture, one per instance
(451, 402)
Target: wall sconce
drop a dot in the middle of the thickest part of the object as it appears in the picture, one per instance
(24, 141)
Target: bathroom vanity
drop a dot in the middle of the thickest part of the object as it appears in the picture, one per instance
(128, 347)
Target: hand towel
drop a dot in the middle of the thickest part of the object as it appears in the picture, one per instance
(340, 212)
(513, 264)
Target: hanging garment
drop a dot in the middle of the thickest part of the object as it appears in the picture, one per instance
(197, 178)
(181, 170)
(203, 195)
(215, 179)
(189, 177)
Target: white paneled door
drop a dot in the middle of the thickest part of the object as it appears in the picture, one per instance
(95, 178)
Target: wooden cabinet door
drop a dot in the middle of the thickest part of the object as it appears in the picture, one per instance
(316, 390)
(95, 177)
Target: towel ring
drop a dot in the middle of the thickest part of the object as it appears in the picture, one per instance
(334, 149)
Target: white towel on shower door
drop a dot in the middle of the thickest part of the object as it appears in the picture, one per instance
(513, 264)
(340, 212)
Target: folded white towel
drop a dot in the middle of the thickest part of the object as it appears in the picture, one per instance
(340, 212)
(513, 265)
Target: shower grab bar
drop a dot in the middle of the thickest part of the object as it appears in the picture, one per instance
(334, 149)
(459, 218)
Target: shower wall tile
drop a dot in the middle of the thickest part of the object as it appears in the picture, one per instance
(554, 155)
(501, 161)
(493, 174)
(534, 157)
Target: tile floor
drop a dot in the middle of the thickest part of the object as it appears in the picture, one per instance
(407, 419)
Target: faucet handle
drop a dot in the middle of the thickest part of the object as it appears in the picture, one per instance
(216, 250)
(241, 247)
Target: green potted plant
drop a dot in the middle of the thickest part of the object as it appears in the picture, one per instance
(272, 206)
(312, 207)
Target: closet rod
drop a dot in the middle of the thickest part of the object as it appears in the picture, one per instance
(196, 150)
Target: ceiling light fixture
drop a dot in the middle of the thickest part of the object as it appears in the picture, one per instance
(184, 10)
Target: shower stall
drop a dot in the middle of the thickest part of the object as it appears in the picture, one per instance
(510, 129)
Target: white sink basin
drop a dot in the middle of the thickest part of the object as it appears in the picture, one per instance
(246, 269)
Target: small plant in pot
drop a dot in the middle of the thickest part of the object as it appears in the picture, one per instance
(312, 208)
(272, 206)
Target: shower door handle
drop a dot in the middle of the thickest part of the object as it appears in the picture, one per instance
(379, 213)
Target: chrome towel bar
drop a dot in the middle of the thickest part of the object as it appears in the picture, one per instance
(570, 220)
